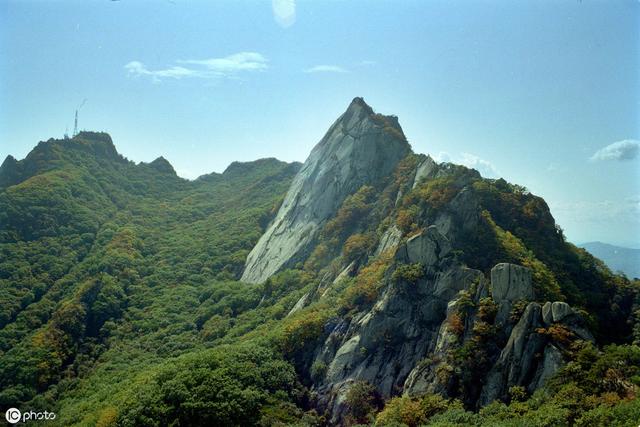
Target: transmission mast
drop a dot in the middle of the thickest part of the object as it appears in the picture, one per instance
(75, 125)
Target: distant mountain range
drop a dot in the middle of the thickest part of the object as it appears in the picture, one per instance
(626, 260)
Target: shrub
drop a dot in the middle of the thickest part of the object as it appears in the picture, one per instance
(318, 370)
(517, 393)
(362, 401)
(406, 218)
(401, 410)
(456, 324)
(409, 273)
(367, 283)
(356, 246)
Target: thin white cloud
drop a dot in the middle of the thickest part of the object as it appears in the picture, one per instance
(625, 210)
(284, 12)
(212, 68)
(242, 61)
(367, 63)
(485, 167)
(627, 149)
(326, 69)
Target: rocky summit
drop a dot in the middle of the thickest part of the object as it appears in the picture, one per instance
(360, 148)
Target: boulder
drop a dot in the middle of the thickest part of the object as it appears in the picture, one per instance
(560, 310)
(426, 248)
(511, 282)
(553, 312)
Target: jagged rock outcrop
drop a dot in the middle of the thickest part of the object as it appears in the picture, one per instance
(510, 283)
(389, 239)
(405, 342)
(531, 355)
(360, 148)
(385, 343)
(425, 248)
(425, 170)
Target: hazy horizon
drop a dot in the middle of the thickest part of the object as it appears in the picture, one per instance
(542, 94)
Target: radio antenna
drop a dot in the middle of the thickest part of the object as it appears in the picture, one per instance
(75, 126)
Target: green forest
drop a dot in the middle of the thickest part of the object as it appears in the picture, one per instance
(121, 305)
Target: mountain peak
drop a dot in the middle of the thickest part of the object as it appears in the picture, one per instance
(360, 148)
(360, 117)
(358, 103)
(162, 165)
(100, 143)
(9, 161)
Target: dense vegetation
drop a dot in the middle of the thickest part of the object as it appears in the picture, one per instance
(120, 303)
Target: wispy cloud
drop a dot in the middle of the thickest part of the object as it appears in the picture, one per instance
(211, 68)
(626, 210)
(139, 69)
(284, 12)
(243, 61)
(485, 167)
(627, 149)
(367, 63)
(326, 69)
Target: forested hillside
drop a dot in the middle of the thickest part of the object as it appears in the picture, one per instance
(121, 299)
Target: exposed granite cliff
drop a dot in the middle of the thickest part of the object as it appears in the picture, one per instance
(361, 147)
(407, 342)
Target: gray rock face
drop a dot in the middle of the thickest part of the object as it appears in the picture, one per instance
(511, 283)
(519, 363)
(425, 248)
(404, 342)
(515, 364)
(389, 239)
(383, 345)
(299, 304)
(552, 361)
(557, 311)
(360, 148)
(560, 310)
(424, 170)
(425, 378)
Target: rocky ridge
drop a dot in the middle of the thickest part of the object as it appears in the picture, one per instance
(413, 337)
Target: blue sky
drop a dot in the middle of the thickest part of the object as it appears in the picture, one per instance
(543, 93)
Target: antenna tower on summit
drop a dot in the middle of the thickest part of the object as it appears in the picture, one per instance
(75, 126)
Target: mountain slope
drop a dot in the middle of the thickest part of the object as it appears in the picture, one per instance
(95, 247)
(377, 284)
(617, 258)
